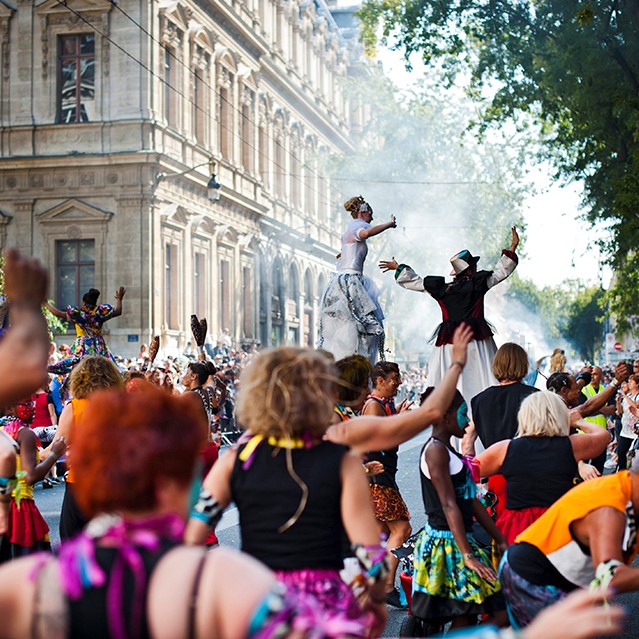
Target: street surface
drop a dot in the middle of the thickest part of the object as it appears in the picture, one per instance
(50, 501)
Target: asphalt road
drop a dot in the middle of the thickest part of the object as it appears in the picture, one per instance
(50, 501)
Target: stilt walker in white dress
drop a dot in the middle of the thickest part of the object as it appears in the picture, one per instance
(461, 300)
(351, 319)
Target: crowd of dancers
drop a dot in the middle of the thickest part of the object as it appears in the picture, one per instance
(522, 533)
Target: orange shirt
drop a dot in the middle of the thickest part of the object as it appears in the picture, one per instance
(78, 406)
(551, 532)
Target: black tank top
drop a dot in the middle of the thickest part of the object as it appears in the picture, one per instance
(432, 503)
(388, 458)
(538, 471)
(267, 496)
(88, 615)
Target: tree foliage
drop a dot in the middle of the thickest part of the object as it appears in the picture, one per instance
(572, 311)
(573, 65)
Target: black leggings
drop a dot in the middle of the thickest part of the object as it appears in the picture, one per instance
(623, 446)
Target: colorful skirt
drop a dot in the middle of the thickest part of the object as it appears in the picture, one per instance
(525, 600)
(443, 587)
(513, 522)
(338, 608)
(388, 504)
(27, 531)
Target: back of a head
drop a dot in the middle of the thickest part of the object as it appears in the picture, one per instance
(126, 441)
(558, 381)
(457, 400)
(94, 373)
(203, 370)
(287, 391)
(354, 205)
(354, 374)
(91, 297)
(510, 363)
(543, 414)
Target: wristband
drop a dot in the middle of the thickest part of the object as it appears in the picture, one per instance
(7, 485)
(53, 456)
(615, 382)
(207, 509)
(458, 363)
(373, 563)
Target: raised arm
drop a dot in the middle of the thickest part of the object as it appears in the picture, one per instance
(592, 441)
(37, 471)
(594, 405)
(119, 295)
(379, 433)
(24, 351)
(56, 311)
(377, 229)
(507, 262)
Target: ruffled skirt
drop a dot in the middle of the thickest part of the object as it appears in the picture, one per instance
(351, 318)
(443, 587)
(27, 532)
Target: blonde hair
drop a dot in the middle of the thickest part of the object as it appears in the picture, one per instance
(543, 414)
(94, 373)
(510, 363)
(287, 391)
(354, 205)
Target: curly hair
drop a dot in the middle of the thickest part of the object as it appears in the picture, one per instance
(126, 441)
(93, 373)
(354, 205)
(287, 391)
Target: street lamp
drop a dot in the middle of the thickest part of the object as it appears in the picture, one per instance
(213, 187)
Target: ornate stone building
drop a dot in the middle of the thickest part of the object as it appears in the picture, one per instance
(113, 117)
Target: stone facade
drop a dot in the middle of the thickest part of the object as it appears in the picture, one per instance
(114, 116)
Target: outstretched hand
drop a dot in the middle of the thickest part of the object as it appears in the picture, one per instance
(393, 222)
(578, 616)
(388, 265)
(25, 280)
(514, 242)
(120, 293)
(462, 336)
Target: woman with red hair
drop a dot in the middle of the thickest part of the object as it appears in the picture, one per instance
(127, 575)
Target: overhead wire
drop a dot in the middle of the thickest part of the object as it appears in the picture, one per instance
(190, 102)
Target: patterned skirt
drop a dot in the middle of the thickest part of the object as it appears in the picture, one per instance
(443, 587)
(338, 608)
(525, 600)
(388, 504)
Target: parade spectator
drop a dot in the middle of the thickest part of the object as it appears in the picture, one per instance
(91, 374)
(586, 538)
(390, 509)
(588, 391)
(27, 532)
(540, 464)
(286, 403)
(629, 420)
(127, 575)
(453, 576)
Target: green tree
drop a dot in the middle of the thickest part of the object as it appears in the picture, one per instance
(55, 325)
(571, 65)
(584, 324)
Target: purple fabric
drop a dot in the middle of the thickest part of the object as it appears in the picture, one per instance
(339, 612)
(80, 570)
